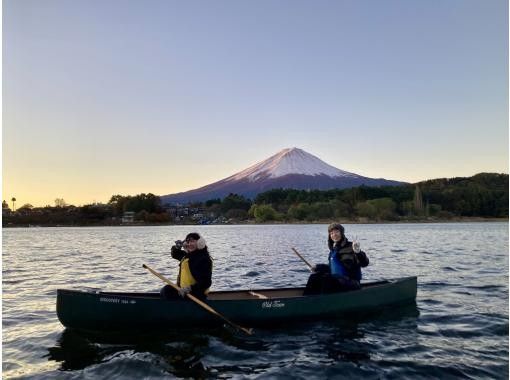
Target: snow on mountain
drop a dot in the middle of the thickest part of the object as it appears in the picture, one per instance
(289, 161)
(291, 168)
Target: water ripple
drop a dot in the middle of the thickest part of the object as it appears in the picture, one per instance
(457, 329)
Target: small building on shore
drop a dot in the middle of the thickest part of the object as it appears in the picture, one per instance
(128, 217)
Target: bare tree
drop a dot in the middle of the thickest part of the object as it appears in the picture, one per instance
(418, 200)
(59, 202)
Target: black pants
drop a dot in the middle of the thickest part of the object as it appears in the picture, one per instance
(169, 293)
(320, 283)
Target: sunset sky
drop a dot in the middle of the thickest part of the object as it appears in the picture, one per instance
(104, 97)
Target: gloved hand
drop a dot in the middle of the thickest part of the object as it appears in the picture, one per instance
(183, 291)
(321, 268)
(356, 247)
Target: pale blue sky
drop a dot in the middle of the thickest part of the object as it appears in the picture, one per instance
(104, 97)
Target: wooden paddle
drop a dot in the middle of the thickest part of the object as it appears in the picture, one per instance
(197, 301)
(302, 258)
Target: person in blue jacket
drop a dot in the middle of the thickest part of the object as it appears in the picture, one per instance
(343, 271)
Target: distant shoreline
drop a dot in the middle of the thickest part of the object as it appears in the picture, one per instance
(253, 223)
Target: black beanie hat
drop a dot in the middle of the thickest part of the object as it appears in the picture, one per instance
(192, 235)
(200, 240)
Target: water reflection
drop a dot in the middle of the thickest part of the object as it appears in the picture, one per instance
(177, 353)
(74, 351)
(222, 351)
(462, 296)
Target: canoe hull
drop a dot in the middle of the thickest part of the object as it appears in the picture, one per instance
(116, 312)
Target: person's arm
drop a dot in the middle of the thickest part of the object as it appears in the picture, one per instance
(177, 253)
(202, 273)
(362, 258)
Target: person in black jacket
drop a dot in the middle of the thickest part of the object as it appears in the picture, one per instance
(195, 268)
(343, 271)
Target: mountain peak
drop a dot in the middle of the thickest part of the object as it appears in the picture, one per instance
(290, 150)
(290, 168)
(289, 161)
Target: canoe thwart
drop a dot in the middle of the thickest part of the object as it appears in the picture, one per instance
(258, 295)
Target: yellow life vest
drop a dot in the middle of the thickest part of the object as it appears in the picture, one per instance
(185, 276)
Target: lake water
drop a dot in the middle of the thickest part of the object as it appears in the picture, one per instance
(457, 329)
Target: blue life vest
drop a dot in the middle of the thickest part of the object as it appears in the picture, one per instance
(338, 269)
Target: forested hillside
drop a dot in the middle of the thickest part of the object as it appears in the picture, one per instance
(484, 195)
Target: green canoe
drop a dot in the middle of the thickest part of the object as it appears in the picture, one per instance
(118, 312)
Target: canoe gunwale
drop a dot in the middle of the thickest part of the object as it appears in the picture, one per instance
(242, 294)
(119, 311)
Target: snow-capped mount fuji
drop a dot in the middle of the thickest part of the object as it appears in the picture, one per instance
(291, 168)
(290, 161)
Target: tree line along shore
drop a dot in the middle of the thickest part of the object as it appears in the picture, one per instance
(481, 197)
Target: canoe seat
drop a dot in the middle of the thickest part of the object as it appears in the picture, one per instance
(257, 294)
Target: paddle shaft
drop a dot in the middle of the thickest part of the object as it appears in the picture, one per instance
(197, 301)
(302, 258)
